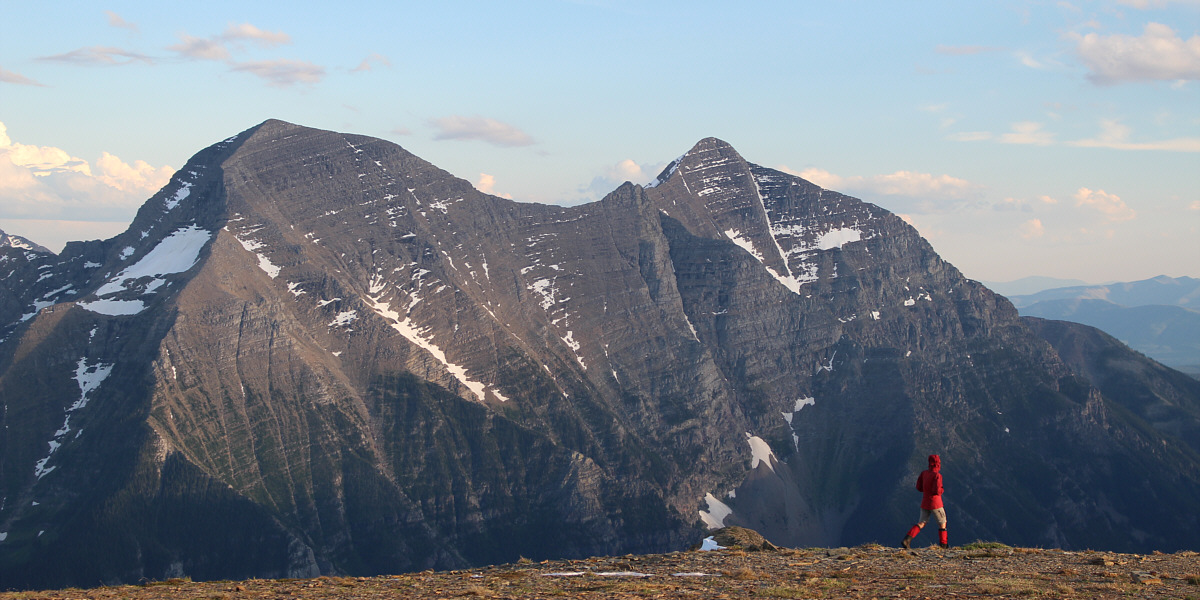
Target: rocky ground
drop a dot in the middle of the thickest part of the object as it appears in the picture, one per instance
(872, 571)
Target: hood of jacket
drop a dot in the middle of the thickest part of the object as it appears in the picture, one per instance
(935, 462)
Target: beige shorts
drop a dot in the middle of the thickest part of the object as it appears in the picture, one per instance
(939, 514)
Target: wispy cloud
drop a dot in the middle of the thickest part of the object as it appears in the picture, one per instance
(479, 128)
(283, 72)
(1110, 205)
(249, 33)
(1028, 132)
(966, 50)
(373, 59)
(911, 184)
(217, 47)
(115, 20)
(277, 72)
(1115, 135)
(970, 136)
(17, 78)
(1148, 4)
(100, 55)
(1159, 54)
(200, 48)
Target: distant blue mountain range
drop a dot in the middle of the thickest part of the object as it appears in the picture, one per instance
(1159, 317)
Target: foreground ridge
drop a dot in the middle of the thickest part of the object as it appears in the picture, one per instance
(866, 571)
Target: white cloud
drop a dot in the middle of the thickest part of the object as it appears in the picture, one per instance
(1110, 205)
(966, 50)
(1028, 60)
(970, 136)
(248, 32)
(200, 48)
(373, 59)
(278, 72)
(487, 185)
(100, 55)
(627, 170)
(1115, 135)
(901, 183)
(1032, 228)
(1028, 132)
(42, 182)
(1147, 4)
(283, 72)
(479, 128)
(115, 20)
(1195, 205)
(17, 78)
(1159, 54)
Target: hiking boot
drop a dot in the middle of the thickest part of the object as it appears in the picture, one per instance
(906, 541)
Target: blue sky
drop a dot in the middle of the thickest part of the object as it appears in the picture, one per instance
(1021, 138)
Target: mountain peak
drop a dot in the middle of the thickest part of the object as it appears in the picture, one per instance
(15, 241)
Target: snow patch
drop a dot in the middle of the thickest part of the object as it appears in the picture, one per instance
(709, 544)
(419, 336)
(836, 238)
(264, 263)
(176, 253)
(800, 403)
(88, 377)
(714, 517)
(760, 452)
(344, 318)
(184, 190)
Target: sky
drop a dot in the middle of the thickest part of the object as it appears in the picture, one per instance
(1020, 138)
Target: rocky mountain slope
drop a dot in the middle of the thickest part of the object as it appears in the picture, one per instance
(315, 353)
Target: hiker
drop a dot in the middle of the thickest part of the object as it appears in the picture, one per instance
(929, 483)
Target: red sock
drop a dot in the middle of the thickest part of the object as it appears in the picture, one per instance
(912, 533)
(943, 537)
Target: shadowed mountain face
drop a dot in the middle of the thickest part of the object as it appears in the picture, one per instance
(316, 353)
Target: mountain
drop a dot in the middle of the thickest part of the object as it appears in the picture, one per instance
(1162, 397)
(1159, 317)
(316, 353)
(20, 243)
(1030, 285)
(1162, 290)
(1168, 334)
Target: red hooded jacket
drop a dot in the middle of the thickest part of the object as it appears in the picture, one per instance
(929, 483)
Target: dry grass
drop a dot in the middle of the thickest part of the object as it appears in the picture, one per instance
(742, 574)
(784, 591)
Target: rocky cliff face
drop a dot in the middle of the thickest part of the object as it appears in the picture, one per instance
(314, 352)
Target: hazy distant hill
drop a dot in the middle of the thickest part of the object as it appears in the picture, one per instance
(1162, 290)
(1156, 317)
(1030, 285)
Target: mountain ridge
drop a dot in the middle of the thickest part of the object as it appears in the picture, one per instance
(377, 368)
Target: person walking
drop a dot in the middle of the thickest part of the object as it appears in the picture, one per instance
(929, 483)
